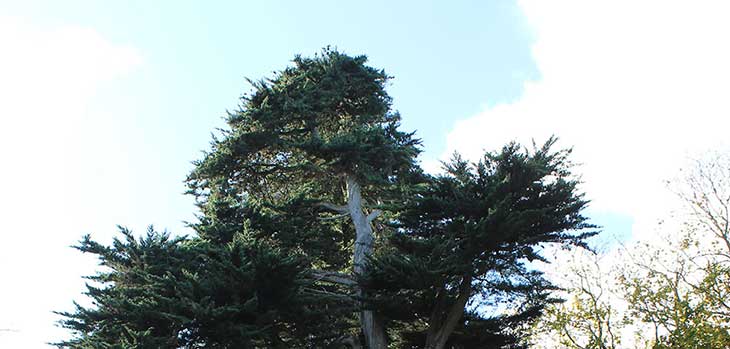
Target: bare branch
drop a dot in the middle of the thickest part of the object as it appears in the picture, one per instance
(336, 208)
(338, 216)
(373, 215)
(333, 277)
(342, 297)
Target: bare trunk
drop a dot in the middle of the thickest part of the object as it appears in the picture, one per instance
(372, 326)
(440, 327)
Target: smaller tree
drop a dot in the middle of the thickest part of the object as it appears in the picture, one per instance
(666, 290)
(589, 318)
(675, 291)
(683, 290)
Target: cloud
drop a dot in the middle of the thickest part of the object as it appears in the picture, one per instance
(634, 86)
(49, 76)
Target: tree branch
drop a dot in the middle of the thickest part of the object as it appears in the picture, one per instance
(373, 215)
(333, 277)
(343, 297)
(337, 216)
(351, 340)
(337, 208)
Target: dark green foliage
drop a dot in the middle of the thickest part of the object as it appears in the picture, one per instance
(288, 148)
(272, 223)
(481, 223)
(300, 130)
(134, 311)
(159, 292)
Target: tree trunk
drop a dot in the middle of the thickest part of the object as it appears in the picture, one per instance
(371, 324)
(440, 327)
(352, 341)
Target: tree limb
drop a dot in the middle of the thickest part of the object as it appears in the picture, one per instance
(337, 208)
(374, 214)
(338, 216)
(333, 277)
(352, 341)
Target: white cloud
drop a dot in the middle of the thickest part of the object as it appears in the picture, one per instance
(48, 77)
(634, 86)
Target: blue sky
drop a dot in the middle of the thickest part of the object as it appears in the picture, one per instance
(457, 57)
(448, 62)
(105, 104)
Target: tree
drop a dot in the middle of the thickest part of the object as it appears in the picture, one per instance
(589, 318)
(668, 290)
(673, 294)
(317, 228)
(682, 290)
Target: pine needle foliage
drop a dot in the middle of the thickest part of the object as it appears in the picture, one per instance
(317, 228)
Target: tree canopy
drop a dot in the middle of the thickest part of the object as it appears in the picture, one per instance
(318, 229)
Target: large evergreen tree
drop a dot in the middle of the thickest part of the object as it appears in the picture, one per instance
(319, 229)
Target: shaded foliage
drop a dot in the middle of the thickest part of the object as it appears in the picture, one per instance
(468, 236)
(163, 292)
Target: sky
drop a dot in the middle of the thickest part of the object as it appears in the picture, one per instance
(103, 106)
